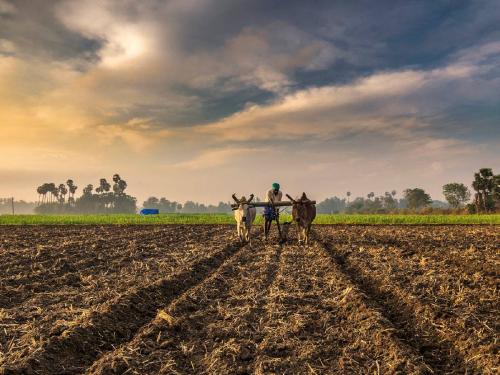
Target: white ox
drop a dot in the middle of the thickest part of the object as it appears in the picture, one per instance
(244, 214)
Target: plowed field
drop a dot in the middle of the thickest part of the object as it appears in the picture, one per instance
(181, 299)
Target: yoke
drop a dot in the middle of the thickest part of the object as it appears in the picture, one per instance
(269, 204)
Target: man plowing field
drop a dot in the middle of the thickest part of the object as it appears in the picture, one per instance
(271, 212)
(303, 213)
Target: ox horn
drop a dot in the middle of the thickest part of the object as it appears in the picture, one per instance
(235, 199)
(251, 198)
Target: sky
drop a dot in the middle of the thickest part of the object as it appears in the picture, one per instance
(199, 99)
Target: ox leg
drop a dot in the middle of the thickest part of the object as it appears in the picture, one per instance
(298, 233)
(240, 232)
(308, 232)
(248, 235)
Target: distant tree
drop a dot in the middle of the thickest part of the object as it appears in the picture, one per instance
(71, 190)
(124, 203)
(484, 185)
(417, 198)
(162, 204)
(54, 191)
(104, 186)
(189, 207)
(42, 191)
(393, 193)
(331, 206)
(496, 191)
(356, 206)
(151, 202)
(402, 203)
(348, 196)
(87, 190)
(119, 185)
(223, 207)
(62, 193)
(456, 194)
(389, 202)
(39, 190)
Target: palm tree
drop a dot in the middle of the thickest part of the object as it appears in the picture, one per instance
(88, 189)
(348, 195)
(54, 192)
(62, 193)
(123, 185)
(483, 184)
(39, 190)
(46, 189)
(393, 193)
(103, 187)
(119, 184)
(72, 189)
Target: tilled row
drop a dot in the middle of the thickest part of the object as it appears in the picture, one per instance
(49, 266)
(212, 328)
(269, 310)
(113, 265)
(190, 300)
(472, 248)
(74, 347)
(448, 315)
(319, 322)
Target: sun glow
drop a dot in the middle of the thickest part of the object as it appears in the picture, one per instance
(124, 46)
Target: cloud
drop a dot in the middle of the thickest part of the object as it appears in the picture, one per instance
(7, 47)
(217, 86)
(216, 158)
(396, 103)
(6, 8)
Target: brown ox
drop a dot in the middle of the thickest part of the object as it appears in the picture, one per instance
(303, 213)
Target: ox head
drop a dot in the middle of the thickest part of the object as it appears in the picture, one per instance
(242, 205)
(301, 211)
(302, 200)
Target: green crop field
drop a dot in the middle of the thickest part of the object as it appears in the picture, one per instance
(228, 219)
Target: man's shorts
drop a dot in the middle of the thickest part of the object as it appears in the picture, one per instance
(269, 214)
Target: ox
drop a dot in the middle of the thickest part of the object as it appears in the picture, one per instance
(244, 214)
(303, 213)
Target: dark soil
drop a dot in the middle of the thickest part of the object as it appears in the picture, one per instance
(180, 299)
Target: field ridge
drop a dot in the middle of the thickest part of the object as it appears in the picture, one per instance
(91, 336)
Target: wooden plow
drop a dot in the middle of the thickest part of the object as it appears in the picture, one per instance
(289, 203)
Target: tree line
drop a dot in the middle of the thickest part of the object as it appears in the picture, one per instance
(105, 198)
(486, 199)
(189, 207)
(110, 197)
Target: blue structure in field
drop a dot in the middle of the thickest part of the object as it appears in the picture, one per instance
(150, 211)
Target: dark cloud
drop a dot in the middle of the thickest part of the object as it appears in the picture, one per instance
(212, 80)
(338, 41)
(36, 33)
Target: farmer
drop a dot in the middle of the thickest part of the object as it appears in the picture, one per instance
(270, 212)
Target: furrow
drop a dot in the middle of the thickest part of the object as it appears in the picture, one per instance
(317, 322)
(417, 323)
(77, 347)
(210, 329)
